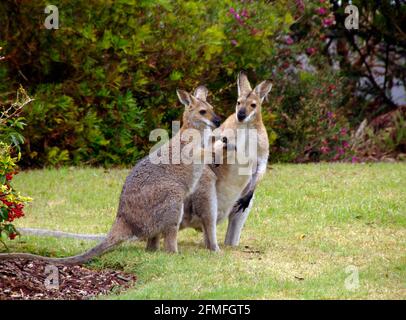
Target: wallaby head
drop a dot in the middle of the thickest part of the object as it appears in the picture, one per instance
(249, 101)
(198, 112)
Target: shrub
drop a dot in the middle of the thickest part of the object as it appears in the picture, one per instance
(108, 75)
(11, 202)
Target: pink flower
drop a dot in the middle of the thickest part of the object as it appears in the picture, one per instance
(289, 40)
(254, 31)
(331, 87)
(321, 11)
(330, 115)
(232, 10)
(310, 51)
(325, 149)
(343, 131)
(354, 159)
(244, 13)
(234, 42)
(346, 144)
(328, 22)
(300, 5)
(340, 151)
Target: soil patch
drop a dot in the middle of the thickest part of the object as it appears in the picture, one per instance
(26, 280)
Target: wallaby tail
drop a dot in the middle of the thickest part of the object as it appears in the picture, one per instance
(60, 234)
(117, 235)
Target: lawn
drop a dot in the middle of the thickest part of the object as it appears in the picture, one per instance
(308, 225)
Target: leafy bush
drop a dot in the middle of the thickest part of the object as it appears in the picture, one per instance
(325, 84)
(11, 202)
(309, 122)
(11, 124)
(108, 75)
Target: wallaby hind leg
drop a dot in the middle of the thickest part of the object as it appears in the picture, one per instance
(237, 218)
(153, 243)
(209, 220)
(170, 234)
(210, 237)
(170, 239)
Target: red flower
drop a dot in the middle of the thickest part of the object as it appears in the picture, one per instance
(9, 176)
(12, 235)
(332, 87)
(7, 203)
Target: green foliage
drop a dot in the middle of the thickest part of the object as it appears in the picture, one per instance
(11, 125)
(11, 202)
(108, 75)
(309, 121)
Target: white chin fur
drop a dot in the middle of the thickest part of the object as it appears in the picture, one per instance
(208, 123)
(251, 115)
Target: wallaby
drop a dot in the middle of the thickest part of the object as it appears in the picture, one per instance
(233, 191)
(153, 195)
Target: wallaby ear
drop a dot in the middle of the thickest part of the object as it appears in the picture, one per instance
(263, 89)
(201, 93)
(244, 87)
(184, 97)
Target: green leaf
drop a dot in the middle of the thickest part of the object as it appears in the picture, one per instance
(3, 213)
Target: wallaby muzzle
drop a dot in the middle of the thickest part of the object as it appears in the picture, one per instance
(241, 115)
(216, 121)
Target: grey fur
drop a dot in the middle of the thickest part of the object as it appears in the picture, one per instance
(152, 199)
(60, 234)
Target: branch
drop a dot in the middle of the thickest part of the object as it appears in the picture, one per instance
(370, 75)
(386, 66)
(21, 101)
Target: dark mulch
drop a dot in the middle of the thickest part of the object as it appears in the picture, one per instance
(23, 279)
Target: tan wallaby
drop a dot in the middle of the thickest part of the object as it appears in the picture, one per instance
(224, 191)
(153, 196)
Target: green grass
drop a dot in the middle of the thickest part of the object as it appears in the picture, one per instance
(309, 223)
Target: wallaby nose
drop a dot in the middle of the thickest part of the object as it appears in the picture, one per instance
(241, 115)
(217, 121)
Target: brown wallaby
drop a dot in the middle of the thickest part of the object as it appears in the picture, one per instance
(224, 191)
(153, 195)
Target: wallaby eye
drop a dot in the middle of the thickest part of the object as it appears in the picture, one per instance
(253, 105)
(238, 103)
(202, 112)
